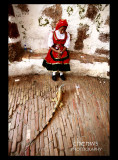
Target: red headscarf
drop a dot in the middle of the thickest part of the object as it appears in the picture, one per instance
(60, 23)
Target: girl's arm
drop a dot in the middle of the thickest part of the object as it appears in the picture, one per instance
(63, 49)
(53, 49)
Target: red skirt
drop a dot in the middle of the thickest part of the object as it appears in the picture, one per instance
(53, 63)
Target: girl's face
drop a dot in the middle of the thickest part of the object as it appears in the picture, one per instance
(62, 30)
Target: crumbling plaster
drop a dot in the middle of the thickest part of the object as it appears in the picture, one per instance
(35, 36)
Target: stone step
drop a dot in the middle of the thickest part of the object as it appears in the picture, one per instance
(80, 64)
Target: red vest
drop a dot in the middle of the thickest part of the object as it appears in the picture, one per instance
(59, 43)
(52, 57)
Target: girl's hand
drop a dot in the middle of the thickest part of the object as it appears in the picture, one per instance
(59, 51)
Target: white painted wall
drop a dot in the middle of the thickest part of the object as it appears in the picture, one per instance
(36, 36)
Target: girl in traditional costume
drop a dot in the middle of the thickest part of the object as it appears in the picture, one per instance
(57, 58)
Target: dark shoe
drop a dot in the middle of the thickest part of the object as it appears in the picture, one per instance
(54, 78)
(62, 77)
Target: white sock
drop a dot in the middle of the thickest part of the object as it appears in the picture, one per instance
(61, 73)
(53, 73)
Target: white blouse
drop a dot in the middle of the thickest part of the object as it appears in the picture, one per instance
(59, 36)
